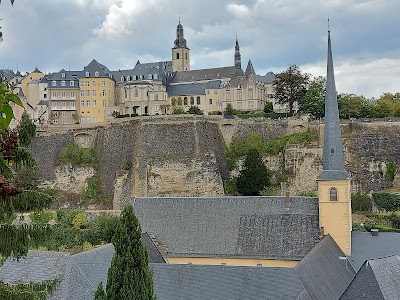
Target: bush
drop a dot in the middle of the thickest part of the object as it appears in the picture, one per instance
(274, 147)
(230, 187)
(178, 111)
(229, 110)
(77, 156)
(268, 107)
(361, 202)
(390, 171)
(42, 217)
(307, 194)
(387, 201)
(194, 110)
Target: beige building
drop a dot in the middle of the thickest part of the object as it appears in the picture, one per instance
(34, 75)
(63, 94)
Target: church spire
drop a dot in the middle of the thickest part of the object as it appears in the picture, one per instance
(180, 41)
(238, 60)
(333, 160)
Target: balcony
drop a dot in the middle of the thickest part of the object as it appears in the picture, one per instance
(67, 108)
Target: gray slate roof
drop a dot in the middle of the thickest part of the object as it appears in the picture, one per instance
(58, 78)
(366, 246)
(192, 89)
(377, 279)
(93, 67)
(163, 69)
(39, 266)
(267, 78)
(256, 227)
(206, 74)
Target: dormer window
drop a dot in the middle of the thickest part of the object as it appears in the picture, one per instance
(135, 77)
(63, 83)
(63, 75)
(122, 78)
(128, 78)
(53, 83)
(96, 74)
(87, 74)
(71, 83)
(155, 76)
(141, 77)
(150, 76)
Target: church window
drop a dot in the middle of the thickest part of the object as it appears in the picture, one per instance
(185, 101)
(198, 100)
(177, 56)
(239, 95)
(333, 194)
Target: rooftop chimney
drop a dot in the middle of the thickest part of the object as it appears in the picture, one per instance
(374, 232)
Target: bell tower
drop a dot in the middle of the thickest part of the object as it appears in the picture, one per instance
(334, 182)
(180, 52)
(238, 59)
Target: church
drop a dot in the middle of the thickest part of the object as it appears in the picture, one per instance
(299, 248)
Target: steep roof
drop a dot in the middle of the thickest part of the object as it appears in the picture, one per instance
(205, 74)
(323, 273)
(39, 266)
(192, 89)
(332, 160)
(257, 227)
(198, 282)
(267, 78)
(377, 279)
(365, 246)
(93, 67)
(250, 69)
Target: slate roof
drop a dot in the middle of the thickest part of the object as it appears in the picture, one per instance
(250, 69)
(206, 74)
(163, 69)
(192, 89)
(93, 67)
(377, 279)
(199, 282)
(7, 74)
(267, 78)
(323, 273)
(253, 227)
(58, 78)
(365, 246)
(39, 266)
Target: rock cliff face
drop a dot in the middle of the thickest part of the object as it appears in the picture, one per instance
(185, 157)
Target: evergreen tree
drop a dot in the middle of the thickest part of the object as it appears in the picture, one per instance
(254, 176)
(129, 276)
(100, 294)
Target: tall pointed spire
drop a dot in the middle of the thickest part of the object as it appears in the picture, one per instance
(180, 41)
(238, 59)
(333, 160)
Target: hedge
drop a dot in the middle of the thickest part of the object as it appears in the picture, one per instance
(387, 201)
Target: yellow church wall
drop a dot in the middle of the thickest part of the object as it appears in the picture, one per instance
(335, 216)
(233, 261)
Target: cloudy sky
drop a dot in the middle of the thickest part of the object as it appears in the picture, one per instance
(55, 34)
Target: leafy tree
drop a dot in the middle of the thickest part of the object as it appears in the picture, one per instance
(350, 105)
(268, 107)
(254, 176)
(229, 110)
(290, 86)
(195, 110)
(314, 99)
(129, 276)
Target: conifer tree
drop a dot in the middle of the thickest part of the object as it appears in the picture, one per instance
(254, 176)
(129, 276)
(100, 294)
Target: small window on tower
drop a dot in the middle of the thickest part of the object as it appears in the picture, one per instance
(333, 194)
(332, 150)
(177, 56)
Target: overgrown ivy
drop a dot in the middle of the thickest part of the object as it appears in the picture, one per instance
(390, 171)
(77, 156)
(387, 201)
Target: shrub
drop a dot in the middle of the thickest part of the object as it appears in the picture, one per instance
(178, 111)
(361, 202)
(229, 110)
(387, 201)
(77, 156)
(268, 107)
(307, 194)
(230, 187)
(390, 171)
(194, 110)
(42, 217)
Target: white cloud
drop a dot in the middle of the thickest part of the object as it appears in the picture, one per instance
(239, 10)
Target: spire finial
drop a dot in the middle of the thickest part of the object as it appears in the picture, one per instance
(179, 18)
(329, 30)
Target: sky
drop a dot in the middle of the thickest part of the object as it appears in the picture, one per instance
(54, 35)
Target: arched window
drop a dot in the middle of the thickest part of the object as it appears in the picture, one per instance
(333, 196)
(128, 78)
(155, 76)
(135, 77)
(192, 100)
(177, 56)
(96, 74)
(198, 100)
(122, 78)
(185, 102)
(87, 74)
(141, 77)
(150, 76)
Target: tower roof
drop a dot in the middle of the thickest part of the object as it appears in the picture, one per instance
(250, 69)
(180, 41)
(333, 161)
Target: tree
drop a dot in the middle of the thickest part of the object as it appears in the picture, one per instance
(100, 294)
(268, 107)
(229, 110)
(350, 105)
(254, 176)
(129, 276)
(313, 102)
(195, 110)
(290, 86)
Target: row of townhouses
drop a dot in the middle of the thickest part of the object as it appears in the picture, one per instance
(96, 93)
